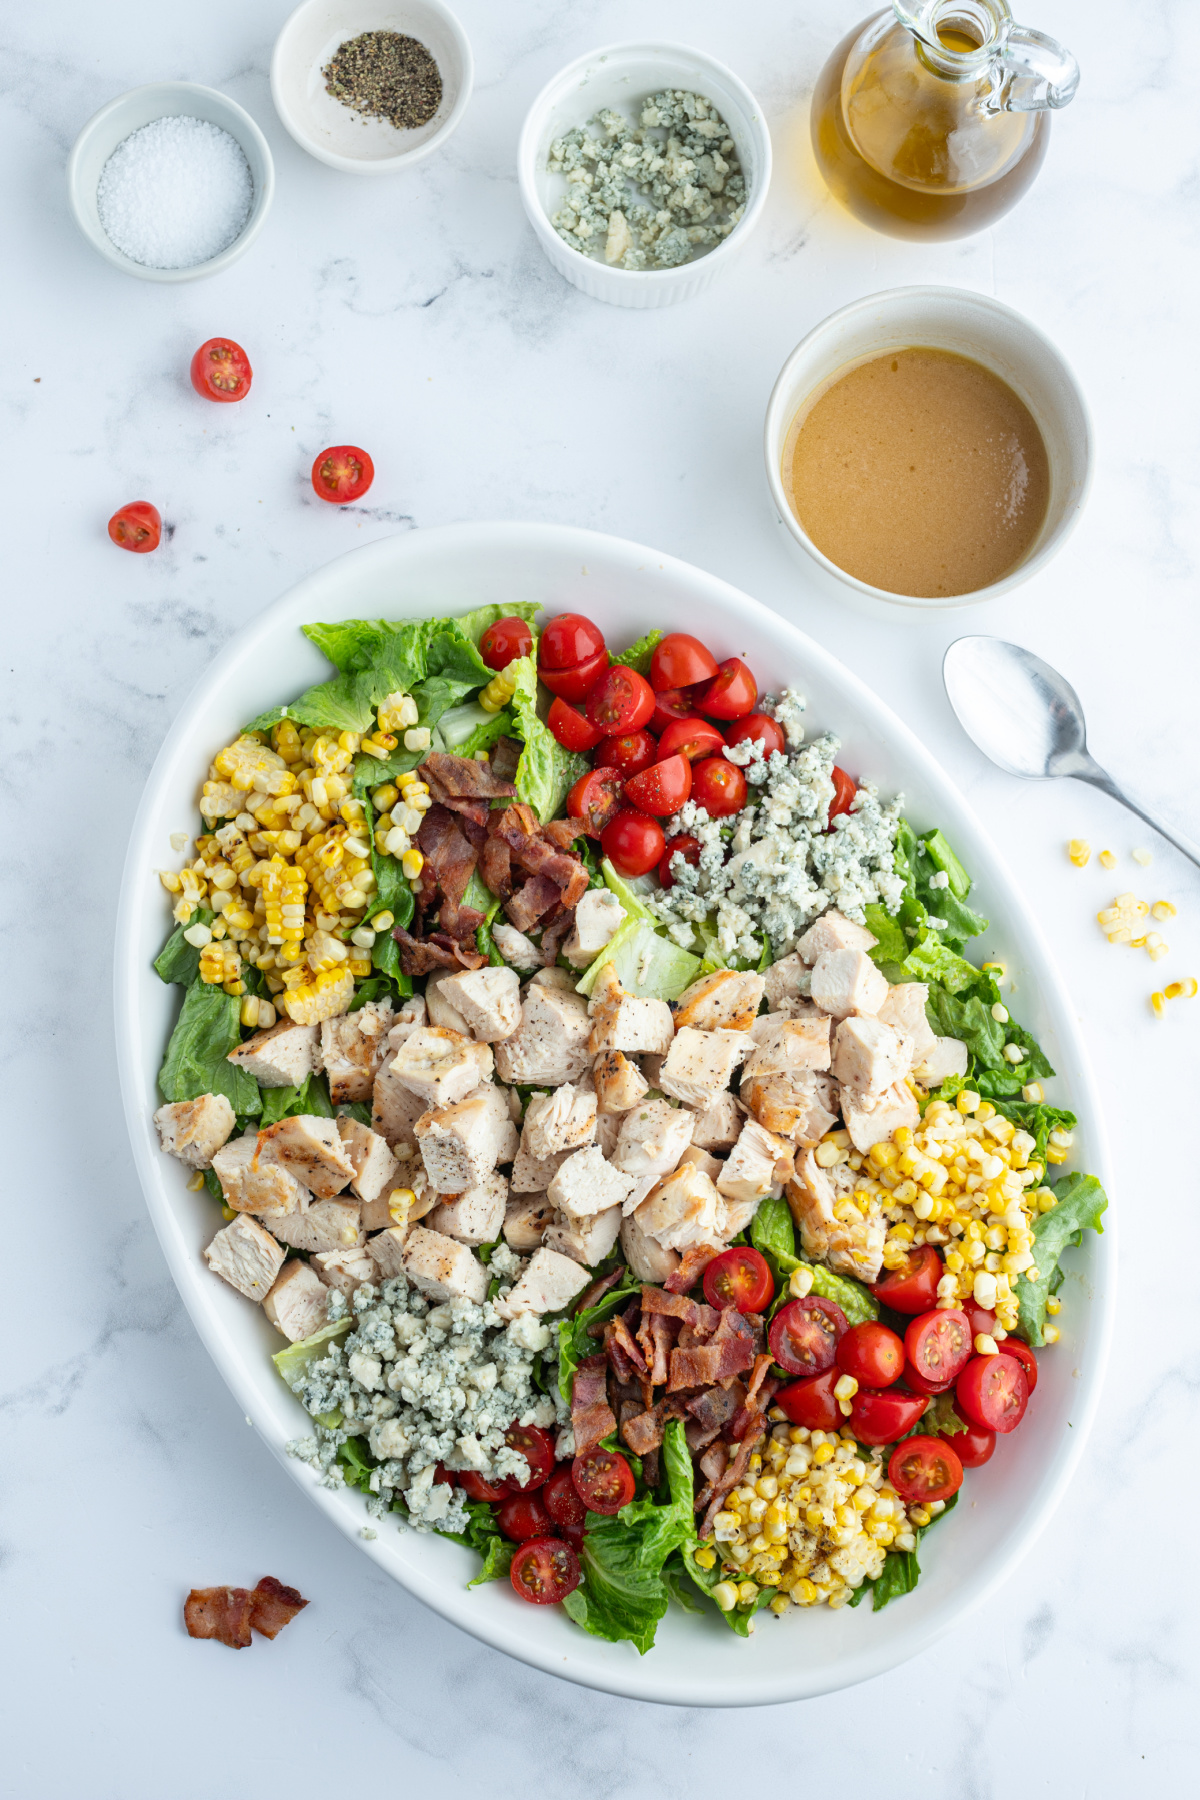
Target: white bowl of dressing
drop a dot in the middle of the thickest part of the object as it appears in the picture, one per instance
(968, 325)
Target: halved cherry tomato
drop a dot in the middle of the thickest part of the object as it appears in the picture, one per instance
(537, 1447)
(923, 1469)
(692, 737)
(545, 1570)
(504, 641)
(939, 1345)
(628, 755)
(872, 1354)
(974, 1446)
(881, 1418)
(524, 1516)
(476, 1488)
(342, 474)
(569, 727)
(731, 693)
(680, 660)
(661, 789)
(568, 639)
(912, 1288)
(993, 1392)
(980, 1319)
(687, 846)
(670, 706)
(759, 729)
(577, 682)
(804, 1335)
(603, 1480)
(596, 799)
(916, 1381)
(844, 791)
(561, 1500)
(719, 787)
(136, 527)
(812, 1403)
(739, 1277)
(632, 842)
(221, 371)
(1014, 1346)
(622, 700)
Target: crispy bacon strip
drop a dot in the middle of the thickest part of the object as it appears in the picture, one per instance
(716, 1406)
(704, 1320)
(532, 902)
(506, 757)
(729, 1351)
(622, 1350)
(591, 1296)
(274, 1606)
(592, 1418)
(524, 837)
(464, 778)
(495, 865)
(419, 955)
(554, 937)
(645, 1433)
(758, 1396)
(691, 1268)
(712, 1463)
(450, 857)
(713, 1493)
(656, 1335)
(561, 832)
(223, 1613)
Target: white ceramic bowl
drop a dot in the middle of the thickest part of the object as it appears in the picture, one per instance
(329, 130)
(941, 318)
(626, 588)
(616, 76)
(141, 106)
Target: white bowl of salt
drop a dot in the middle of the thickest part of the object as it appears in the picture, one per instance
(171, 181)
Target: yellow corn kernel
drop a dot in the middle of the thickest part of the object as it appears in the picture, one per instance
(195, 1182)
(1079, 851)
(1158, 1003)
(1162, 909)
(324, 997)
(1182, 990)
(1050, 1334)
(412, 862)
(1107, 859)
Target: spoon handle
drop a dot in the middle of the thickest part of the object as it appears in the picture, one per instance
(1097, 777)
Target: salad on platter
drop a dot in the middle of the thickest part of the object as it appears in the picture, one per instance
(648, 1191)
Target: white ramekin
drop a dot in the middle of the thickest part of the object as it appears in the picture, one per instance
(330, 131)
(141, 106)
(617, 75)
(940, 318)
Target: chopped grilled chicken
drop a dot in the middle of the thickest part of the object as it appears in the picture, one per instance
(488, 999)
(353, 1049)
(515, 947)
(563, 1120)
(327, 1225)
(386, 1250)
(797, 1106)
(832, 1227)
(651, 1142)
(246, 1256)
(442, 1012)
(461, 1144)
(718, 1123)
(700, 1159)
(782, 1046)
(309, 1148)
(647, 1259)
(194, 1130)
(620, 1084)
(787, 981)
(871, 1118)
(395, 1110)
(283, 1056)
(684, 1209)
(757, 1166)
(376, 1170)
(947, 1056)
(622, 1021)
(254, 1186)
(441, 1066)
(870, 1057)
(549, 1284)
(833, 931)
(847, 981)
(701, 1064)
(587, 1241)
(598, 917)
(345, 1270)
(904, 1010)
(550, 1046)
(476, 1216)
(586, 1183)
(296, 1304)
(442, 1268)
(525, 1220)
(726, 1000)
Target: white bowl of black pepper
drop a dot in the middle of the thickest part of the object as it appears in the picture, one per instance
(369, 86)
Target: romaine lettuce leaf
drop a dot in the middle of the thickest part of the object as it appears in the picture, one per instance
(638, 655)
(740, 1619)
(901, 1570)
(773, 1233)
(286, 1102)
(465, 729)
(627, 892)
(546, 772)
(574, 1342)
(293, 1360)
(179, 961)
(1080, 1203)
(647, 964)
(207, 1029)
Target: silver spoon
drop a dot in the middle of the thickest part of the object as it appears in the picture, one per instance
(1027, 718)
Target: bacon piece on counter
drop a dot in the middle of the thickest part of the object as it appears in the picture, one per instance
(274, 1606)
(592, 1418)
(692, 1266)
(223, 1613)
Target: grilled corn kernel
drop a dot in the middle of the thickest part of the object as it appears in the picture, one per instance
(1181, 990)
(1163, 909)
(499, 690)
(1079, 851)
(1050, 1334)
(1108, 860)
(1158, 1004)
(412, 863)
(800, 1282)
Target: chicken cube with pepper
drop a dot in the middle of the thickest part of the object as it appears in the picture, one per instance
(194, 1130)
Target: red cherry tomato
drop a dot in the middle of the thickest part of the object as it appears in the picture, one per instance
(596, 799)
(136, 527)
(993, 1392)
(221, 371)
(881, 1418)
(524, 1516)
(939, 1345)
(923, 1469)
(476, 1488)
(577, 682)
(692, 737)
(661, 789)
(731, 693)
(568, 639)
(1013, 1346)
(621, 701)
(342, 474)
(670, 706)
(569, 727)
(719, 787)
(680, 660)
(844, 791)
(739, 1277)
(537, 1447)
(804, 1335)
(758, 729)
(687, 846)
(561, 1500)
(603, 1480)
(912, 1288)
(632, 843)
(980, 1319)
(504, 641)
(545, 1570)
(628, 755)
(916, 1381)
(812, 1403)
(974, 1446)
(872, 1354)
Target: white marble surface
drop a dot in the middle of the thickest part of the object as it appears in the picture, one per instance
(417, 316)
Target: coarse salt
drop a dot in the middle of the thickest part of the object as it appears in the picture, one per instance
(175, 193)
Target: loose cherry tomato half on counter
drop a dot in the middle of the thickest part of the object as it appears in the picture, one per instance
(881, 1418)
(504, 641)
(872, 1354)
(537, 1447)
(731, 693)
(974, 1446)
(804, 1335)
(621, 701)
(476, 1488)
(939, 1345)
(342, 474)
(912, 1288)
(577, 682)
(569, 727)
(524, 1516)
(603, 1480)
(680, 661)
(136, 527)
(568, 639)
(844, 791)
(545, 1570)
(221, 371)
(687, 846)
(632, 843)
(692, 737)
(661, 789)
(628, 755)
(719, 787)
(812, 1403)
(561, 1500)
(923, 1469)
(596, 799)
(672, 705)
(739, 1277)
(1013, 1346)
(758, 729)
(993, 1392)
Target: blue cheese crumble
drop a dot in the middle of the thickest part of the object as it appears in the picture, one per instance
(651, 196)
(775, 867)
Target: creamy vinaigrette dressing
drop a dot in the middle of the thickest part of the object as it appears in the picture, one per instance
(920, 472)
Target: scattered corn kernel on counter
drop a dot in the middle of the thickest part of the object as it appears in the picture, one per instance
(600, 1105)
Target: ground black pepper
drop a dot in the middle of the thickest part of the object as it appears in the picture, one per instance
(385, 75)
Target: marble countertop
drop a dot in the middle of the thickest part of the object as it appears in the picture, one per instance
(417, 316)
